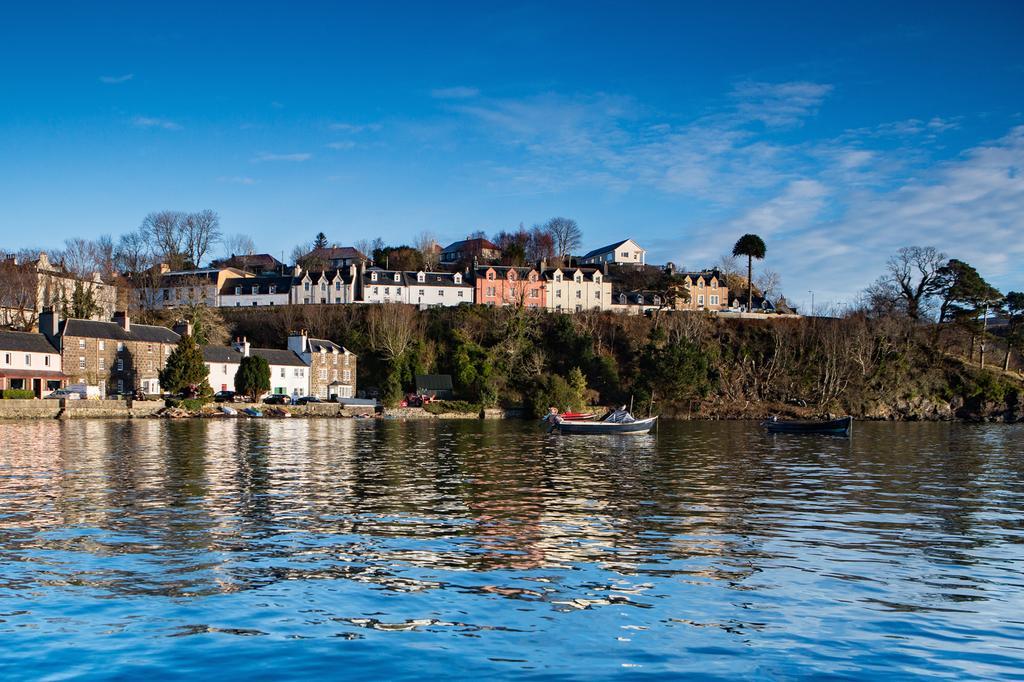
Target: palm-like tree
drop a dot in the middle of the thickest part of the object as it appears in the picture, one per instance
(751, 246)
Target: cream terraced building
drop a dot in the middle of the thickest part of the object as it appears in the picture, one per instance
(574, 290)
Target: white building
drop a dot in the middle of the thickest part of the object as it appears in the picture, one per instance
(172, 288)
(429, 289)
(620, 253)
(289, 375)
(573, 290)
(264, 290)
(28, 361)
(384, 286)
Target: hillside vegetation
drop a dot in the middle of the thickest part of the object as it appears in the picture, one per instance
(685, 365)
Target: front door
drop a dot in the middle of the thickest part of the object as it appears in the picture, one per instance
(37, 387)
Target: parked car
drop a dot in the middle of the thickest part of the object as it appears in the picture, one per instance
(307, 399)
(224, 397)
(278, 399)
(65, 394)
(84, 391)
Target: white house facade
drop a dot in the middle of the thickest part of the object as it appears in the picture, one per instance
(626, 252)
(247, 292)
(574, 290)
(289, 375)
(431, 289)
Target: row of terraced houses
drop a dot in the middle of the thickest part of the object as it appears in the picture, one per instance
(587, 283)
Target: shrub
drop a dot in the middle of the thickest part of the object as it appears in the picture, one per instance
(18, 394)
(190, 404)
(457, 406)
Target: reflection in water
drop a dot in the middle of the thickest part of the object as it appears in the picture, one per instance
(709, 548)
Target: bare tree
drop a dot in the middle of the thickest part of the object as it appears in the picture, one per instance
(565, 234)
(78, 257)
(237, 245)
(391, 329)
(541, 246)
(19, 294)
(164, 230)
(427, 245)
(914, 275)
(770, 282)
(201, 231)
(133, 253)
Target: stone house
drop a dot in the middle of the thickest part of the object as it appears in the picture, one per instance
(708, 291)
(332, 368)
(29, 361)
(27, 287)
(117, 356)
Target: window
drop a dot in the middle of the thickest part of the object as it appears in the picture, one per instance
(149, 348)
(255, 303)
(558, 293)
(102, 344)
(225, 370)
(376, 290)
(373, 276)
(458, 278)
(46, 360)
(490, 275)
(579, 294)
(534, 293)
(120, 385)
(398, 278)
(337, 299)
(7, 358)
(323, 286)
(622, 299)
(306, 287)
(398, 290)
(81, 344)
(625, 254)
(238, 291)
(255, 290)
(700, 300)
(420, 277)
(102, 363)
(597, 295)
(441, 293)
(238, 304)
(28, 360)
(461, 292)
(282, 372)
(579, 308)
(272, 289)
(120, 346)
(306, 300)
(346, 375)
(423, 292)
(387, 291)
(81, 362)
(714, 299)
(120, 364)
(657, 300)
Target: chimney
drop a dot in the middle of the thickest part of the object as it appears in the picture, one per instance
(121, 318)
(182, 328)
(242, 346)
(298, 341)
(49, 323)
(604, 267)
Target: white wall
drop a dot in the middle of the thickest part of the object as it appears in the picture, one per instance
(435, 295)
(295, 381)
(21, 360)
(249, 300)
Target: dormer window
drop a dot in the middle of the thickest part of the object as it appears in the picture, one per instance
(490, 275)
(558, 278)
(255, 290)
(657, 300)
(458, 278)
(238, 291)
(533, 276)
(272, 288)
(622, 299)
(578, 278)
(373, 276)
(597, 278)
(421, 277)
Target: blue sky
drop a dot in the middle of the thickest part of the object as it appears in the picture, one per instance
(837, 132)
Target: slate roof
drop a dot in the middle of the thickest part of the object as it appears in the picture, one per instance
(273, 356)
(262, 261)
(587, 270)
(604, 249)
(330, 275)
(337, 253)
(25, 342)
(316, 344)
(95, 329)
(436, 279)
(153, 334)
(283, 285)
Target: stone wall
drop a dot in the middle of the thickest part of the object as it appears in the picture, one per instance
(76, 409)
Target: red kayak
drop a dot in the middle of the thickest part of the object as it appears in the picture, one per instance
(576, 416)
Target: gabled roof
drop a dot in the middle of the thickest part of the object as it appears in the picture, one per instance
(336, 253)
(316, 344)
(437, 279)
(253, 260)
(606, 249)
(25, 342)
(152, 334)
(384, 276)
(475, 244)
(221, 354)
(330, 275)
(586, 270)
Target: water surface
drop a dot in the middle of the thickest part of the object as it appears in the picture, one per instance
(327, 548)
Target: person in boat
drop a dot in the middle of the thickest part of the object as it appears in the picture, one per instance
(553, 416)
(620, 416)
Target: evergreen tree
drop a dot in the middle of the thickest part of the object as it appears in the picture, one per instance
(185, 372)
(253, 377)
(321, 241)
(83, 302)
(751, 246)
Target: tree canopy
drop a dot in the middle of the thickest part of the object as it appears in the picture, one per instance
(185, 371)
(751, 246)
(253, 377)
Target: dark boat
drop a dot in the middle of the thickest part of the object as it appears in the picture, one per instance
(837, 427)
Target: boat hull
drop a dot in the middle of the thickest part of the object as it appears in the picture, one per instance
(638, 427)
(835, 427)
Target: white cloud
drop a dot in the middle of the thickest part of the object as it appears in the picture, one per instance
(114, 80)
(779, 104)
(237, 180)
(457, 92)
(267, 156)
(162, 123)
(344, 144)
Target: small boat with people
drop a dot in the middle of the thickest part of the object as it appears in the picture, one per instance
(618, 421)
(836, 427)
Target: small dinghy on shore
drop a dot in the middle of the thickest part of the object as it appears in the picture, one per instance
(252, 412)
(230, 411)
(836, 427)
